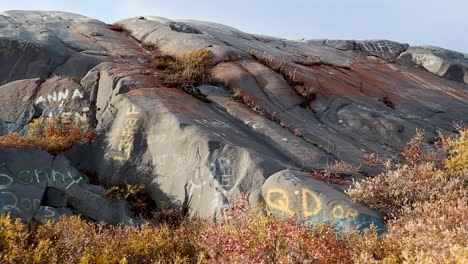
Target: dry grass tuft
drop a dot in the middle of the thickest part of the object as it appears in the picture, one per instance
(185, 73)
(289, 75)
(338, 172)
(190, 70)
(142, 204)
(120, 29)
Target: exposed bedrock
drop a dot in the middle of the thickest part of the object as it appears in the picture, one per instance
(287, 107)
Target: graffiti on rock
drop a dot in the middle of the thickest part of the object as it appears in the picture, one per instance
(127, 137)
(5, 181)
(212, 123)
(381, 48)
(221, 169)
(50, 212)
(38, 176)
(425, 59)
(254, 125)
(164, 159)
(278, 199)
(60, 97)
(310, 204)
(9, 200)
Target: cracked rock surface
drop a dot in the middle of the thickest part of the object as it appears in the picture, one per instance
(326, 100)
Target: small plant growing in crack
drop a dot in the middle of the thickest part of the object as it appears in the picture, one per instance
(186, 72)
(136, 195)
(290, 76)
(338, 172)
(54, 135)
(120, 28)
(387, 102)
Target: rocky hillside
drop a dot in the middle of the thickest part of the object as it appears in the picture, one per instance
(271, 116)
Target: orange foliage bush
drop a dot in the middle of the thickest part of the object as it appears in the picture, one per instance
(54, 135)
(426, 204)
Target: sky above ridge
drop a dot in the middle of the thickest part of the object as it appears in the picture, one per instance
(417, 22)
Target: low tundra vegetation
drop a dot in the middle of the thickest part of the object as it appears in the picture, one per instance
(187, 72)
(54, 135)
(423, 196)
(120, 28)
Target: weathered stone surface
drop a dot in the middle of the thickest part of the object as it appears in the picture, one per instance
(448, 64)
(17, 104)
(341, 44)
(47, 187)
(289, 193)
(54, 48)
(326, 100)
(388, 50)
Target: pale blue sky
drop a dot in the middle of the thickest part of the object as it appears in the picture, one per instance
(432, 22)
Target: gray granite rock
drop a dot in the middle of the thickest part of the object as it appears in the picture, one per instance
(324, 100)
(294, 193)
(46, 187)
(447, 64)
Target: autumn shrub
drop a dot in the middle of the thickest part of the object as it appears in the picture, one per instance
(289, 75)
(405, 186)
(245, 236)
(159, 60)
(458, 152)
(54, 135)
(426, 204)
(422, 177)
(190, 70)
(338, 172)
(136, 195)
(120, 29)
(425, 199)
(186, 72)
(74, 240)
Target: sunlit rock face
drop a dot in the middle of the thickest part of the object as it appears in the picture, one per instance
(305, 104)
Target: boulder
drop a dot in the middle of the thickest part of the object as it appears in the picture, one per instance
(17, 104)
(447, 64)
(384, 49)
(294, 193)
(286, 107)
(46, 187)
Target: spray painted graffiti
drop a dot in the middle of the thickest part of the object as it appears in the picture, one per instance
(381, 48)
(311, 204)
(377, 47)
(221, 170)
(38, 176)
(164, 159)
(5, 181)
(278, 199)
(217, 124)
(60, 97)
(425, 59)
(127, 137)
(9, 201)
(254, 125)
(212, 123)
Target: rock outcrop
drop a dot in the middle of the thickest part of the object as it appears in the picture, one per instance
(301, 105)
